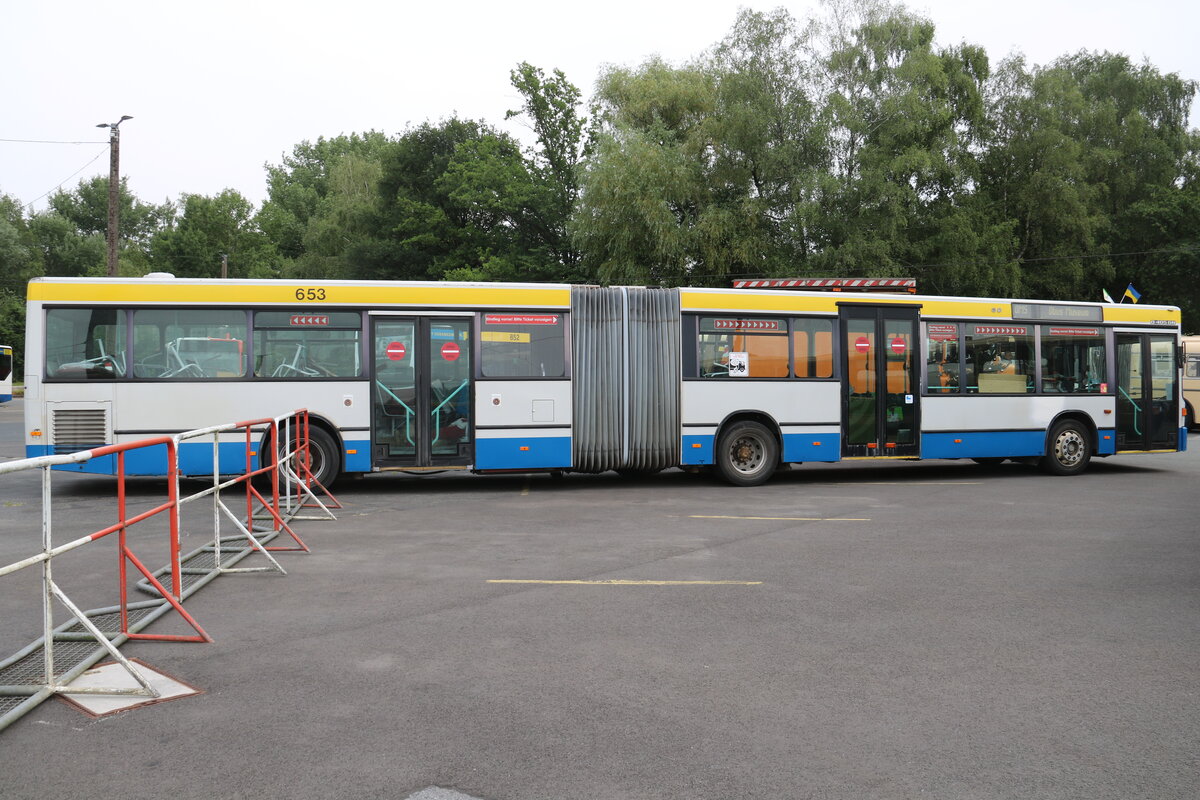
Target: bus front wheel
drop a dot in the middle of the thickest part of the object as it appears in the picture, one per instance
(1069, 449)
(324, 459)
(747, 454)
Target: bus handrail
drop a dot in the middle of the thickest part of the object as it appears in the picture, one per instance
(1136, 410)
(434, 414)
(408, 412)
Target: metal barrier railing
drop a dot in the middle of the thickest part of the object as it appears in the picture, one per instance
(292, 462)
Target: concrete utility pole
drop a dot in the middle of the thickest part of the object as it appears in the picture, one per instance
(114, 189)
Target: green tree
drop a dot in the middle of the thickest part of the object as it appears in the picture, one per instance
(86, 208)
(64, 250)
(769, 147)
(19, 256)
(316, 200)
(905, 118)
(341, 221)
(70, 233)
(646, 212)
(1079, 151)
(551, 105)
(210, 228)
(458, 200)
(19, 261)
(417, 233)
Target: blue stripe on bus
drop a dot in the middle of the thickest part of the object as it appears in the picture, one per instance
(812, 447)
(4, 398)
(359, 461)
(1000, 444)
(195, 458)
(983, 444)
(523, 452)
(1183, 439)
(698, 448)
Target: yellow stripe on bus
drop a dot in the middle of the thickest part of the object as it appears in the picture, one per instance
(1132, 313)
(749, 301)
(280, 293)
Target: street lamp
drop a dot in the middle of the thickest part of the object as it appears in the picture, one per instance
(114, 185)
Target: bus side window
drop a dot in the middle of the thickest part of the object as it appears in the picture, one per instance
(812, 348)
(189, 344)
(85, 343)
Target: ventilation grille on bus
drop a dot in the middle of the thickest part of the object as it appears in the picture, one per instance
(626, 377)
(75, 429)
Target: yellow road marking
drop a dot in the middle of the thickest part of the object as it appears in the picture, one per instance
(787, 519)
(616, 582)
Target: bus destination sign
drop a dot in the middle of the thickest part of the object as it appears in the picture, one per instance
(1057, 313)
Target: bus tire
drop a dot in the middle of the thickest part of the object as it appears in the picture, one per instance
(747, 454)
(1068, 449)
(325, 458)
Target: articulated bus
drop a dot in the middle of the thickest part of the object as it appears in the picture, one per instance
(421, 377)
(6, 373)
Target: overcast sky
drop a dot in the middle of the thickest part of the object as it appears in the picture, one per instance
(217, 89)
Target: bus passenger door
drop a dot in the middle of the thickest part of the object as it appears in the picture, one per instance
(1147, 392)
(421, 392)
(880, 394)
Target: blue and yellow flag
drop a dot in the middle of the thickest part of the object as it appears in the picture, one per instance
(1132, 293)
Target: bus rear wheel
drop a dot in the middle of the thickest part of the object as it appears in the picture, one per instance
(1069, 449)
(747, 454)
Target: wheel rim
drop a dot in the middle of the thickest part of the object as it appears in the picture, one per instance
(1069, 448)
(747, 455)
(316, 460)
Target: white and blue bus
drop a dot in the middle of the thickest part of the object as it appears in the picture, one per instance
(6, 373)
(421, 377)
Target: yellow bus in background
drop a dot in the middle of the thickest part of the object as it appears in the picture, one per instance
(1191, 379)
(6, 373)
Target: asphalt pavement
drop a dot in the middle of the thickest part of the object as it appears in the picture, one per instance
(933, 630)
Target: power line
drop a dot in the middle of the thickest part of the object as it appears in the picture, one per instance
(48, 141)
(72, 175)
